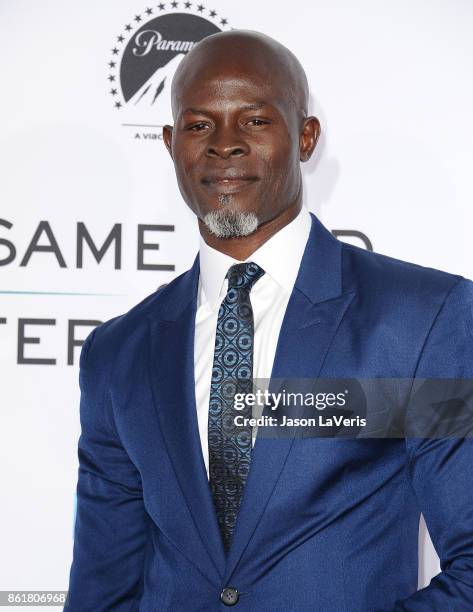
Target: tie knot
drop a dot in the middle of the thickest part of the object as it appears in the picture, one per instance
(244, 275)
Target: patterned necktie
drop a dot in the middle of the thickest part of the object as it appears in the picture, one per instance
(230, 445)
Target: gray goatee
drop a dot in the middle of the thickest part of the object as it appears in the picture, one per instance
(230, 223)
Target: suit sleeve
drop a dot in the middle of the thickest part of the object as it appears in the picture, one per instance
(441, 469)
(111, 527)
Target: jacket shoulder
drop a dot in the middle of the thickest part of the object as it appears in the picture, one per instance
(396, 279)
(125, 330)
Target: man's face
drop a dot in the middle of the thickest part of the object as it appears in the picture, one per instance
(235, 143)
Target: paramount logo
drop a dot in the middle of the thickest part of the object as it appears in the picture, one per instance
(147, 40)
(144, 58)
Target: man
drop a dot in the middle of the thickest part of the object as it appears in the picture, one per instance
(177, 509)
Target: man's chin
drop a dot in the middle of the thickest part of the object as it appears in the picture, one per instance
(229, 222)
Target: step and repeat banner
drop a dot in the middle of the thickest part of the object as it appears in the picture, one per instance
(91, 219)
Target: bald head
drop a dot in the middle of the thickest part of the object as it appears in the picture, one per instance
(242, 52)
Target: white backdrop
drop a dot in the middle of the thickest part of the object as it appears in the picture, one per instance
(391, 84)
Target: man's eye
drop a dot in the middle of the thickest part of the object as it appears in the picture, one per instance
(257, 122)
(197, 127)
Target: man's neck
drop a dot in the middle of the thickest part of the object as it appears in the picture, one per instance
(243, 247)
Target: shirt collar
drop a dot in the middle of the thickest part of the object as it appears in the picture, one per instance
(280, 257)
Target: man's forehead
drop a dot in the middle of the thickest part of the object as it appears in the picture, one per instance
(253, 90)
(245, 106)
(213, 74)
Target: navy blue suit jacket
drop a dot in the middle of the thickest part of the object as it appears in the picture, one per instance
(325, 525)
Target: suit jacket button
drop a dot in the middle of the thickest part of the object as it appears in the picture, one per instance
(229, 596)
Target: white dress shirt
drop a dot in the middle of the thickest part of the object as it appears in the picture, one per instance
(280, 257)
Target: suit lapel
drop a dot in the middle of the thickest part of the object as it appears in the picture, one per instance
(315, 310)
(172, 376)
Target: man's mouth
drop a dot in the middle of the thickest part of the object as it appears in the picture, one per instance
(229, 183)
(228, 178)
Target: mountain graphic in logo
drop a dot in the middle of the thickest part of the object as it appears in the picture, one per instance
(147, 95)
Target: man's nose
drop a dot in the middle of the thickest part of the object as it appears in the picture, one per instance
(227, 143)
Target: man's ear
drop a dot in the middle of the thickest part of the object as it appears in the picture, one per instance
(309, 137)
(167, 137)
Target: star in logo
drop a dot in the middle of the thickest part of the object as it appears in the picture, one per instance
(114, 51)
(112, 64)
(149, 11)
(113, 92)
(174, 4)
(200, 8)
(213, 13)
(128, 27)
(187, 4)
(111, 77)
(223, 21)
(118, 104)
(120, 38)
(161, 6)
(137, 18)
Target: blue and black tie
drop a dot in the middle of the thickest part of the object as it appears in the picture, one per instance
(230, 445)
